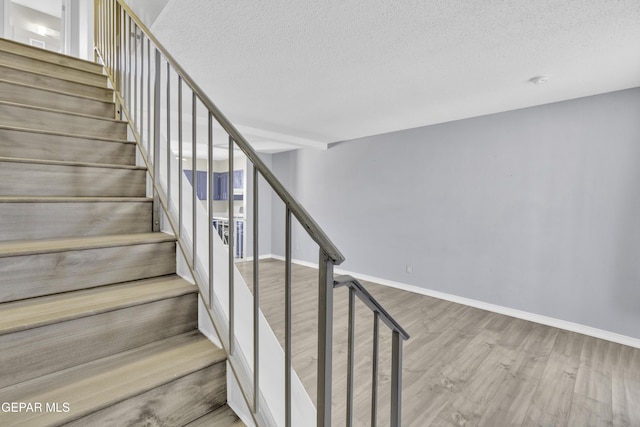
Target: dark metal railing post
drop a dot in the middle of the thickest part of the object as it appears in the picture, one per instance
(180, 173)
(129, 67)
(141, 117)
(210, 203)
(168, 118)
(156, 142)
(149, 97)
(374, 372)
(117, 37)
(325, 339)
(350, 356)
(231, 245)
(194, 182)
(287, 319)
(135, 76)
(256, 297)
(396, 379)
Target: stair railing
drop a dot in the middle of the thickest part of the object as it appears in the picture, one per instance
(133, 59)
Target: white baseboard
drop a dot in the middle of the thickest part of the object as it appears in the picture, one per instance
(524, 315)
(267, 256)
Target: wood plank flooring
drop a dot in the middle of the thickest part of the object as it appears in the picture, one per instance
(462, 366)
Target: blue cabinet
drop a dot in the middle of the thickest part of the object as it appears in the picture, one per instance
(201, 182)
(221, 184)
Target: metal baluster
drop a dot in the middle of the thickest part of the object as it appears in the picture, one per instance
(350, 356)
(231, 248)
(210, 200)
(256, 297)
(135, 75)
(105, 52)
(156, 143)
(374, 372)
(97, 35)
(129, 60)
(396, 379)
(168, 148)
(141, 121)
(118, 73)
(287, 319)
(180, 156)
(155, 159)
(325, 339)
(111, 35)
(194, 172)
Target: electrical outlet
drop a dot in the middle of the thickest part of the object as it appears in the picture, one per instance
(409, 268)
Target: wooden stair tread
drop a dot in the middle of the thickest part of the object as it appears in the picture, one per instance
(221, 417)
(105, 382)
(70, 199)
(51, 57)
(46, 76)
(54, 110)
(30, 247)
(36, 312)
(67, 163)
(54, 91)
(69, 135)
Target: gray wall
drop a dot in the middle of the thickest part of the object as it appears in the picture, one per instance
(536, 209)
(265, 196)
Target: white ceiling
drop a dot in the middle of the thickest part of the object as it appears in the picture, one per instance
(331, 71)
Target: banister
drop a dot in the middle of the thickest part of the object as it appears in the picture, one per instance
(115, 35)
(307, 222)
(370, 302)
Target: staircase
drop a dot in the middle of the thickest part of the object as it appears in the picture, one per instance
(95, 326)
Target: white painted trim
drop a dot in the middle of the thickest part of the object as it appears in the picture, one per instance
(267, 256)
(524, 315)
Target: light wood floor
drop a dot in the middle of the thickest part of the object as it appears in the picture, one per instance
(462, 366)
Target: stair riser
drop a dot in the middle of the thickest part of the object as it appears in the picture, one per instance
(28, 95)
(32, 145)
(19, 221)
(68, 86)
(24, 117)
(29, 276)
(48, 56)
(40, 351)
(173, 404)
(53, 70)
(32, 179)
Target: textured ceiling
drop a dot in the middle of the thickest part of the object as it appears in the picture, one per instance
(336, 70)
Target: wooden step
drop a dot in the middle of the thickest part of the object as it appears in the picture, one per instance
(29, 177)
(21, 93)
(44, 267)
(39, 336)
(51, 57)
(37, 79)
(221, 417)
(38, 118)
(170, 382)
(34, 65)
(26, 218)
(29, 144)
